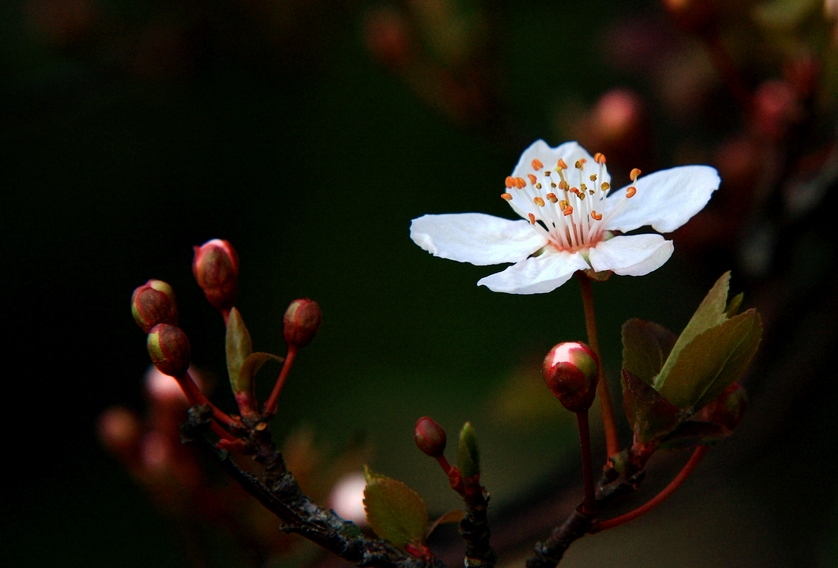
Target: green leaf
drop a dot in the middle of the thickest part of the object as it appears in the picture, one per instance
(252, 365)
(734, 305)
(710, 313)
(649, 414)
(712, 361)
(646, 345)
(468, 454)
(394, 511)
(239, 348)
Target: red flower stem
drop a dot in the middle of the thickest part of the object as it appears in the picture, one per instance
(589, 505)
(271, 406)
(657, 499)
(612, 441)
(444, 464)
(195, 397)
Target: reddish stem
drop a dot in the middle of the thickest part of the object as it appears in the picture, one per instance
(657, 499)
(196, 397)
(589, 505)
(270, 407)
(612, 441)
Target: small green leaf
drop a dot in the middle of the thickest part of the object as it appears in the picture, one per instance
(734, 305)
(710, 313)
(646, 345)
(252, 365)
(449, 517)
(649, 414)
(468, 454)
(239, 348)
(394, 511)
(712, 361)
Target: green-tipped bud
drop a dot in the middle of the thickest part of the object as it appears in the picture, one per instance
(301, 322)
(169, 349)
(216, 268)
(429, 437)
(468, 455)
(571, 371)
(153, 303)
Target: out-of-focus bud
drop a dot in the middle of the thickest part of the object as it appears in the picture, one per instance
(727, 410)
(571, 371)
(169, 349)
(776, 108)
(694, 16)
(387, 35)
(429, 437)
(153, 303)
(216, 268)
(301, 322)
(119, 431)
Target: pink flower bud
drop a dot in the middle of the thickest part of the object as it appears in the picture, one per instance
(216, 268)
(571, 371)
(153, 303)
(429, 437)
(301, 322)
(168, 347)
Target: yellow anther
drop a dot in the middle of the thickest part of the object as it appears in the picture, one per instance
(567, 211)
(605, 186)
(510, 182)
(634, 174)
(581, 196)
(593, 177)
(507, 196)
(538, 201)
(532, 178)
(547, 172)
(532, 218)
(538, 186)
(552, 197)
(596, 216)
(561, 164)
(591, 191)
(537, 165)
(553, 185)
(631, 191)
(599, 158)
(574, 191)
(583, 187)
(580, 163)
(563, 185)
(563, 204)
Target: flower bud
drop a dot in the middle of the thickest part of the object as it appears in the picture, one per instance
(216, 268)
(301, 321)
(571, 371)
(153, 303)
(169, 349)
(429, 437)
(727, 410)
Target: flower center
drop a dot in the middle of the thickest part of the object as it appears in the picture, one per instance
(569, 206)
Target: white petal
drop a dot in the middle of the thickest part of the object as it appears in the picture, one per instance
(476, 238)
(536, 275)
(666, 199)
(569, 151)
(631, 255)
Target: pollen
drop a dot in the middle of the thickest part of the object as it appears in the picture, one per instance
(593, 177)
(563, 204)
(507, 196)
(605, 186)
(538, 186)
(536, 164)
(635, 173)
(520, 183)
(532, 218)
(567, 210)
(538, 201)
(552, 197)
(532, 179)
(596, 216)
(631, 191)
(510, 182)
(561, 164)
(580, 164)
(599, 158)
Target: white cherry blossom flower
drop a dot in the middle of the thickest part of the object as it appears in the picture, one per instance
(571, 220)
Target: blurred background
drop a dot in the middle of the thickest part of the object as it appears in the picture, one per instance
(309, 133)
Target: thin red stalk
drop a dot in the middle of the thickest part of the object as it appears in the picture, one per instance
(195, 396)
(272, 404)
(589, 505)
(612, 441)
(657, 499)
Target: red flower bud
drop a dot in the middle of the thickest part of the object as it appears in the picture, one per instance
(216, 268)
(571, 371)
(169, 349)
(301, 322)
(153, 303)
(429, 437)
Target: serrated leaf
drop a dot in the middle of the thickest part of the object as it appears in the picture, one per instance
(239, 348)
(394, 511)
(449, 517)
(713, 361)
(252, 365)
(710, 313)
(649, 414)
(646, 345)
(468, 453)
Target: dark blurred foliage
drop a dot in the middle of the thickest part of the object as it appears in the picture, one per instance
(308, 133)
